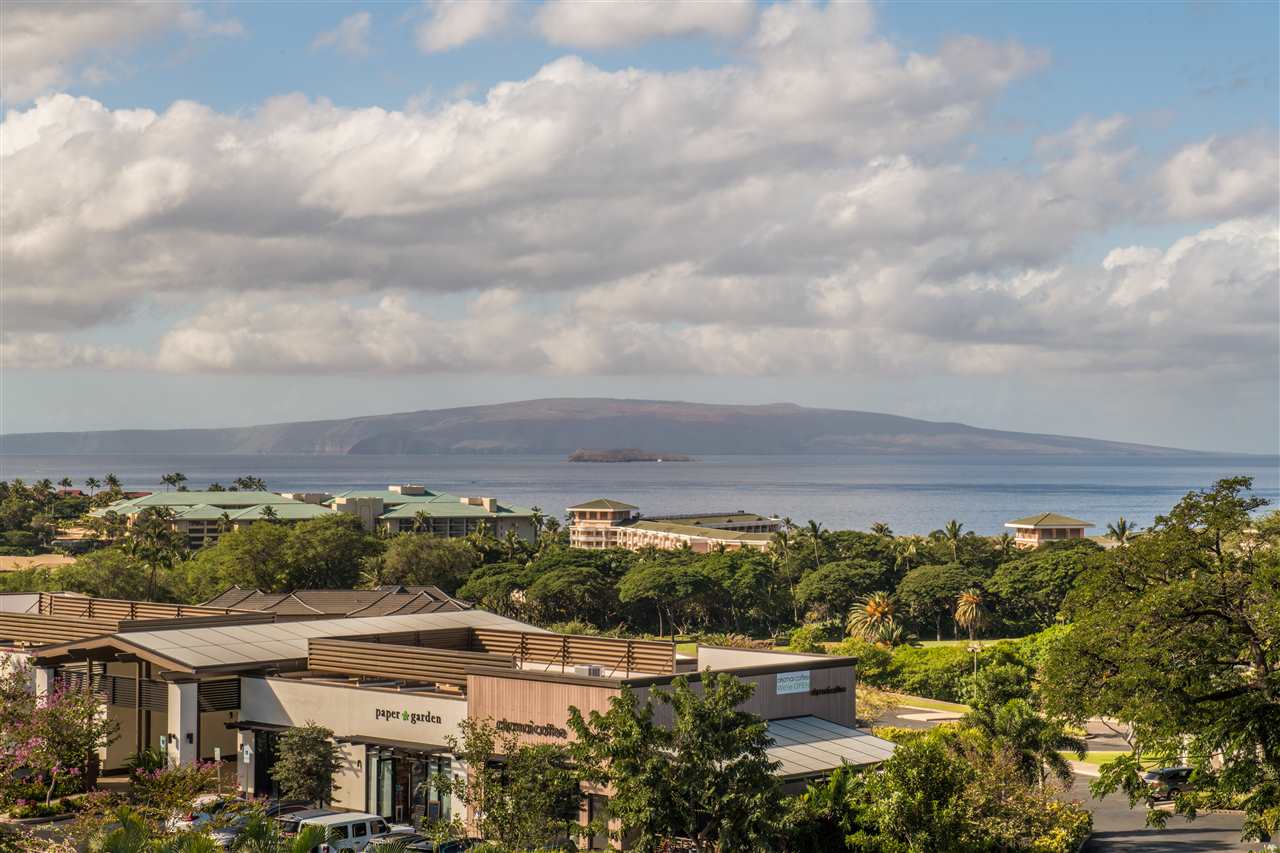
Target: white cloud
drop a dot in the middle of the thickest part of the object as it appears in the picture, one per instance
(453, 23)
(1222, 176)
(350, 38)
(47, 46)
(598, 26)
(803, 210)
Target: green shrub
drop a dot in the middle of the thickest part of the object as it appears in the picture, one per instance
(1071, 825)
(805, 639)
(20, 539)
(37, 808)
(934, 672)
(898, 734)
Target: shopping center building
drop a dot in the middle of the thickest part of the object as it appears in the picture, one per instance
(393, 673)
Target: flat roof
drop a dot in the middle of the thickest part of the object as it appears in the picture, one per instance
(245, 646)
(712, 518)
(811, 746)
(1048, 519)
(703, 532)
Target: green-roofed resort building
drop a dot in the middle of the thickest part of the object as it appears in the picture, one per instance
(1034, 530)
(606, 523)
(202, 517)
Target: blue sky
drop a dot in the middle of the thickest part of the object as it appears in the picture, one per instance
(1055, 217)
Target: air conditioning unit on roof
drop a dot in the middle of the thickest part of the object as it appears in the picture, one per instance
(591, 670)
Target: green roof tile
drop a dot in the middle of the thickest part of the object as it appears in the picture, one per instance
(1048, 519)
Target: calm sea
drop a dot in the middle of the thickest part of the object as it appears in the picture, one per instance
(914, 494)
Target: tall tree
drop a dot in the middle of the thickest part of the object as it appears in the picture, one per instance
(1035, 741)
(951, 534)
(929, 592)
(881, 529)
(91, 484)
(971, 611)
(1120, 530)
(1200, 588)
(707, 778)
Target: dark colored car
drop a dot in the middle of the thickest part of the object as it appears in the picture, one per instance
(289, 823)
(415, 841)
(418, 843)
(1167, 782)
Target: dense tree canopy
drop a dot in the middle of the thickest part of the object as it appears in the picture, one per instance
(1177, 634)
(930, 592)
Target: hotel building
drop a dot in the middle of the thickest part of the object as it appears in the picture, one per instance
(204, 516)
(606, 523)
(1035, 530)
(393, 673)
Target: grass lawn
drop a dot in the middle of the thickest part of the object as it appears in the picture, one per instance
(931, 704)
(1097, 758)
(964, 644)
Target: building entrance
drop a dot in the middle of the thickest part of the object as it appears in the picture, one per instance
(403, 786)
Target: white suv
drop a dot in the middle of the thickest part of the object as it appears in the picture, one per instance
(347, 830)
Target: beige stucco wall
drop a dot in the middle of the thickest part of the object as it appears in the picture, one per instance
(350, 711)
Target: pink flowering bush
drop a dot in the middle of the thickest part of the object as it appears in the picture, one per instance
(49, 741)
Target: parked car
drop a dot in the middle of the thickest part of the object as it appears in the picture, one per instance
(416, 842)
(203, 811)
(225, 836)
(345, 830)
(407, 839)
(1167, 782)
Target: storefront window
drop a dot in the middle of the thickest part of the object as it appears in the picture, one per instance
(403, 788)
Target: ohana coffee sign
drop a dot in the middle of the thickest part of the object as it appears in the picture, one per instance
(540, 730)
(405, 716)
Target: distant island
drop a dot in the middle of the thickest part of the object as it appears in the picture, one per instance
(559, 426)
(626, 454)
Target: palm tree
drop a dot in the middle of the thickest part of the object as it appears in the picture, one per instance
(224, 522)
(1005, 544)
(1121, 531)
(872, 616)
(951, 535)
(250, 484)
(971, 612)
(882, 529)
(112, 482)
(66, 483)
(422, 521)
(904, 551)
(91, 484)
(817, 537)
(269, 513)
(1035, 742)
(179, 480)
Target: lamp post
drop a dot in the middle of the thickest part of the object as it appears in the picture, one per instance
(974, 649)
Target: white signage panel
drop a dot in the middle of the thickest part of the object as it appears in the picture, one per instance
(793, 682)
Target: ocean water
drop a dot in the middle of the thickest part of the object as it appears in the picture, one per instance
(913, 494)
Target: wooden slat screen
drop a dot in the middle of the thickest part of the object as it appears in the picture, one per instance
(410, 663)
(457, 639)
(39, 629)
(215, 621)
(220, 695)
(614, 655)
(85, 607)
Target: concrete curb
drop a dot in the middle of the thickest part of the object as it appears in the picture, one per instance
(1082, 768)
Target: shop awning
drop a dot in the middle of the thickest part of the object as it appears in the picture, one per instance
(386, 743)
(252, 726)
(812, 746)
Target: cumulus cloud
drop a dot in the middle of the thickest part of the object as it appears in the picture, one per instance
(49, 45)
(1222, 176)
(598, 26)
(801, 210)
(350, 38)
(453, 23)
